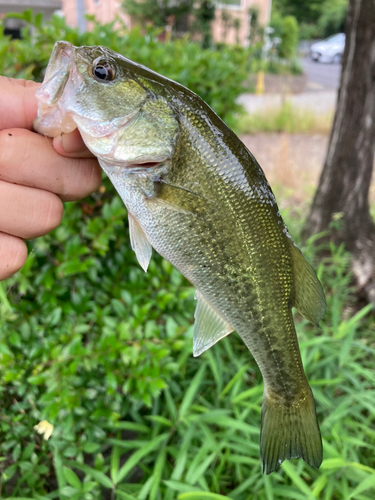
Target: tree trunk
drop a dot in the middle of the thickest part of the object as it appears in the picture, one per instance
(343, 192)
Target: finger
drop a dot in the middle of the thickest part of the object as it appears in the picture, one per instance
(19, 108)
(29, 159)
(71, 145)
(28, 212)
(18, 103)
(13, 255)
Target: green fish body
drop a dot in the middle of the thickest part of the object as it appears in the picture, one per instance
(198, 197)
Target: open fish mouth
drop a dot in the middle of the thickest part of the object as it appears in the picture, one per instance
(146, 165)
(134, 168)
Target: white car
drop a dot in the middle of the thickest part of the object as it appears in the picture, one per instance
(329, 50)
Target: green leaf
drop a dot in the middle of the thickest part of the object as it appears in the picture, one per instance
(201, 495)
(233, 380)
(115, 461)
(131, 426)
(333, 463)
(90, 447)
(125, 496)
(254, 391)
(196, 470)
(96, 474)
(364, 485)
(72, 479)
(319, 485)
(268, 487)
(68, 491)
(290, 470)
(160, 420)
(4, 302)
(157, 474)
(134, 459)
(146, 488)
(192, 390)
(59, 468)
(171, 405)
(184, 487)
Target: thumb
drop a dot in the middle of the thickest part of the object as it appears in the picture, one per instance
(71, 145)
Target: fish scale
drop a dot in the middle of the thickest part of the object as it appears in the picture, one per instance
(197, 196)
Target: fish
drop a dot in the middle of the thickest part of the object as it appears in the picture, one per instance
(196, 195)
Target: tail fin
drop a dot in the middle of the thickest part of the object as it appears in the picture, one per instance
(289, 432)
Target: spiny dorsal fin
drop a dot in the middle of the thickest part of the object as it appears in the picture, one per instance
(139, 243)
(209, 326)
(309, 296)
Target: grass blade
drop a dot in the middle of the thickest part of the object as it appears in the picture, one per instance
(96, 474)
(290, 470)
(138, 455)
(201, 495)
(156, 476)
(231, 383)
(183, 487)
(192, 390)
(115, 462)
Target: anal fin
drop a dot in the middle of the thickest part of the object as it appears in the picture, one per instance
(309, 296)
(139, 243)
(209, 326)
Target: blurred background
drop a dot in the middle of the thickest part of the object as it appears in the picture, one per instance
(103, 351)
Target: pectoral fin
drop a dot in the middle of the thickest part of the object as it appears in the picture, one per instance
(209, 326)
(169, 205)
(139, 243)
(180, 199)
(309, 296)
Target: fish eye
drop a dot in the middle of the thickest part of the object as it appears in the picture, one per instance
(103, 71)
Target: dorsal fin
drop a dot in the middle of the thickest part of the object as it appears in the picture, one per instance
(139, 243)
(309, 296)
(209, 326)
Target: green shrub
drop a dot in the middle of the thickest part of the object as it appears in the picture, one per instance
(332, 18)
(308, 31)
(289, 38)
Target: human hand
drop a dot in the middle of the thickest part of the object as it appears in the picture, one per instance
(36, 174)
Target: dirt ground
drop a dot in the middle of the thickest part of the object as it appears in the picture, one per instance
(292, 163)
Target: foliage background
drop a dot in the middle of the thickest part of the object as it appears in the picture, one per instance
(316, 18)
(103, 351)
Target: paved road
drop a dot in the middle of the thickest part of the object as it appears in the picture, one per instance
(321, 76)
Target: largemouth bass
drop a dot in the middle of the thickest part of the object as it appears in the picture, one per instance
(197, 196)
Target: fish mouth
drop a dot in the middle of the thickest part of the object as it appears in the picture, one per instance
(135, 168)
(145, 166)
